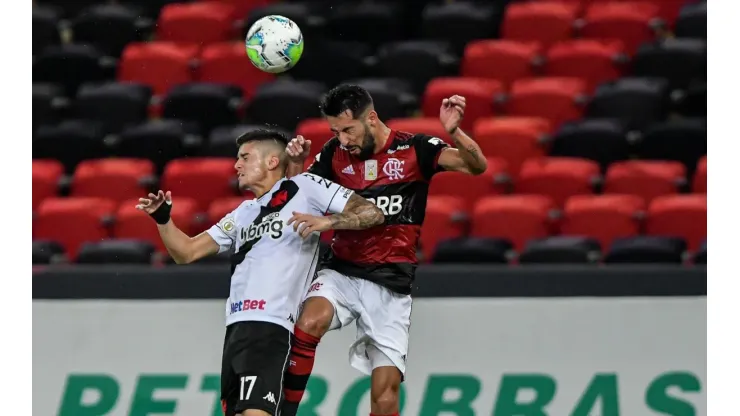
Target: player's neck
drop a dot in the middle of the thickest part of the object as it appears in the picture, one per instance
(381, 138)
(263, 187)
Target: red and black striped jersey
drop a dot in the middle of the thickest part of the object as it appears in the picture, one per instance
(396, 179)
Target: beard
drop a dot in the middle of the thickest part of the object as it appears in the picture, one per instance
(368, 145)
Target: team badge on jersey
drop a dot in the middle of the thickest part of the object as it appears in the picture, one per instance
(226, 225)
(393, 169)
(279, 199)
(371, 170)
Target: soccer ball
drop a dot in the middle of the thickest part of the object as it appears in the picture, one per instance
(274, 44)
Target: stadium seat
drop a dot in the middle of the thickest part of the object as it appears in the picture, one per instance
(426, 125)
(199, 22)
(45, 184)
(558, 178)
(561, 249)
(45, 28)
(160, 65)
(646, 179)
(603, 217)
(700, 177)
(159, 141)
(460, 22)
(226, 63)
(445, 218)
(207, 105)
(602, 140)
(479, 96)
(243, 8)
(308, 16)
(202, 179)
(70, 66)
(514, 139)
(73, 221)
(116, 252)
(370, 22)
(682, 140)
(116, 105)
(693, 102)
(221, 207)
(317, 130)
(594, 61)
(110, 27)
(677, 60)
(517, 218)
(692, 21)
(668, 10)
(637, 102)
(65, 8)
(70, 142)
(297, 100)
(700, 257)
(683, 216)
(631, 22)
(354, 57)
(555, 99)
(500, 59)
(646, 249)
(543, 22)
(134, 224)
(46, 252)
(416, 61)
(114, 179)
(392, 98)
(47, 105)
(467, 250)
(493, 181)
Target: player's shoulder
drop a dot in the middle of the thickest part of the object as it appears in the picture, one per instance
(308, 179)
(414, 139)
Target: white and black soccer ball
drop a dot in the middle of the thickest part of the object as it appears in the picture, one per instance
(274, 44)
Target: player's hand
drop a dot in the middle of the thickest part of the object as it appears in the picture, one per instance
(298, 149)
(451, 112)
(150, 204)
(305, 224)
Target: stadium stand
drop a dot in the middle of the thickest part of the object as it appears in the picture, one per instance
(592, 115)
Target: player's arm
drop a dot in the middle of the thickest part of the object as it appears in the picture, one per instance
(467, 157)
(358, 214)
(182, 248)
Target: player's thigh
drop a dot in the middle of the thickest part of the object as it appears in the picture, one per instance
(340, 292)
(257, 357)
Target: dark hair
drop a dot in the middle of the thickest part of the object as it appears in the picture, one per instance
(346, 97)
(262, 135)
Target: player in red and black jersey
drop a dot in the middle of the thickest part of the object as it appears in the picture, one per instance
(369, 273)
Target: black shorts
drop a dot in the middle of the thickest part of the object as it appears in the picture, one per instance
(254, 360)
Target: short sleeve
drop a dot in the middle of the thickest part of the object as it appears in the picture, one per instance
(428, 149)
(324, 195)
(224, 232)
(321, 165)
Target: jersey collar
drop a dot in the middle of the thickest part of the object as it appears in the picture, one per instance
(273, 189)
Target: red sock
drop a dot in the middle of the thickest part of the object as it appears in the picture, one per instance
(302, 355)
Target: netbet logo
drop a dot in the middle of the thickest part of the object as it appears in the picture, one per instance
(248, 305)
(270, 224)
(390, 205)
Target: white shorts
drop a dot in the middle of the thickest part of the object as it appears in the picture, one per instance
(383, 319)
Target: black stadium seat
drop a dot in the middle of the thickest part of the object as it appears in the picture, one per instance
(209, 105)
(646, 249)
(561, 249)
(109, 27)
(48, 100)
(473, 250)
(46, 252)
(71, 66)
(692, 21)
(45, 28)
(351, 57)
(416, 61)
(460, 22)
(70, 142)
(159, 140)
(304, 14)
(682, 140)
(635, 101)
(601, 140)
(677, 60)
(116, 252)
(700, 257)
(116, 105)
(392, 98)
(297, 100)
(371, 22)
(693, 102)
(222, 140)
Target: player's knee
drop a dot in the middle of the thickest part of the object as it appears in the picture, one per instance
(316, 316)
(385, 398)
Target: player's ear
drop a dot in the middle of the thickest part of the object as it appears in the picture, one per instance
(372, 118)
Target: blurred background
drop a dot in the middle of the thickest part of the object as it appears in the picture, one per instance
(580, 253)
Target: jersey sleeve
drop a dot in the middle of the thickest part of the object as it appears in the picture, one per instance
(321, 165)
(224, 232)
(324, 195)
(428, 149)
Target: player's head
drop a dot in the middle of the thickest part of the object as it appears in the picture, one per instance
(352, 117)
(261, 158)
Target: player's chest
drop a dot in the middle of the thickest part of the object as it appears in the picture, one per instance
(398, 165)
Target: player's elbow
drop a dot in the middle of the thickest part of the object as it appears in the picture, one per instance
(478, 168)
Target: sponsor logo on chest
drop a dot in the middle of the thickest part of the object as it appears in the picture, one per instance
(270, 225)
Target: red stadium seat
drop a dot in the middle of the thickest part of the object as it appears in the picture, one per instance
(227, 63)
(479, 96)
(556, 99)
(202, 179)
(160, 65)
(46, 175)
(317, 130)
(700, 177)
(517, 218)
(668, 10)
(502, 60)
(682, 216)
(629, 22)
(594, 61)
(115, 179)
(134, 224)
(199, 22)
(543, 22)
(515, 139)
(646, 179)
(444, 219)
(426, 125)
(602, 217)
(220, 207)
(470, 188)
(557, 177)
(73, 221)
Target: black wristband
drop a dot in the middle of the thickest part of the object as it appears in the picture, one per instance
(162, 214)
